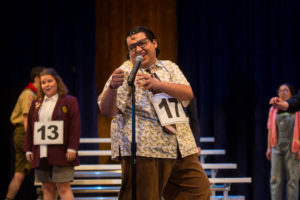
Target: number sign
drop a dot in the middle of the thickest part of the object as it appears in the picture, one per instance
(168, 109)
(48, 132)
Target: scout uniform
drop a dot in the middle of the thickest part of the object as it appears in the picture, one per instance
(22, 108)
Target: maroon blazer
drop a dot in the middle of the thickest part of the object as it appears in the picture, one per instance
(69, 113)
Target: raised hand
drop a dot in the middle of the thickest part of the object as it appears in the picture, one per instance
(146, 82)
(279, 104)
(117, 78)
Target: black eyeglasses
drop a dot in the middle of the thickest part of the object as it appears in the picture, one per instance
(284, 91)
(141, 43)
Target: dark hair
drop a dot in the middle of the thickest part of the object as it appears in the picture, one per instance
(149, 35)
(61, 87)
(35, 72)
(290, 86)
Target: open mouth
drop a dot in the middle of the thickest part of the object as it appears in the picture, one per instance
(47, 89)
(144, 54)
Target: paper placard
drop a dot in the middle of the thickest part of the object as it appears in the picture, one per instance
(48, 132)
(168, 109)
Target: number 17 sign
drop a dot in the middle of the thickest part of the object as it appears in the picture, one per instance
(168, 109)
(48, 132)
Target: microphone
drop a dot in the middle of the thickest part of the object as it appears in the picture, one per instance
(134, 70)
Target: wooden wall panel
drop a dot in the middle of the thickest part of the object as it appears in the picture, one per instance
(113, 19)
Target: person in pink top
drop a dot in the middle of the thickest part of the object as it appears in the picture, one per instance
(283, 148)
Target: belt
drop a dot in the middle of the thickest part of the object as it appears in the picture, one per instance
(19, 125)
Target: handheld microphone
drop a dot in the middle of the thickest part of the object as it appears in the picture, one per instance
(134, 70)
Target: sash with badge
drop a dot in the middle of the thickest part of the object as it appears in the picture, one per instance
(169, 111)
(48, 132)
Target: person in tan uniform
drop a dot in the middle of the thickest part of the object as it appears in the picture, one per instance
(19, 120)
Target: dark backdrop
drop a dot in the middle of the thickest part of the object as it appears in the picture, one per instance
(52, 33)
(235, 53)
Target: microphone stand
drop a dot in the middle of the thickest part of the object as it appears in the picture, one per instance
(133, 144)
(130, 82)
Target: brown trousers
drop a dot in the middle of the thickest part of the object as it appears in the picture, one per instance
(172, 179)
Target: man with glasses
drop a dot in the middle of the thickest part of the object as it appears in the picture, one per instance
(166, 164)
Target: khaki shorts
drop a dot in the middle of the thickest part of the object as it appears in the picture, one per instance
(21, 163)
(55, 174)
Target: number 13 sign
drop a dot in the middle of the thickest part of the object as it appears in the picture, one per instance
(168, 109)
(48, 132)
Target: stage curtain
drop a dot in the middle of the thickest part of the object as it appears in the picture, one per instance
(113, 20)
(52, 33)
(235, 54)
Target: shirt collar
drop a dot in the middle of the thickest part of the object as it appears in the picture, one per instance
(156, 65)
(53, 98)
(32, 87)
(159, 63)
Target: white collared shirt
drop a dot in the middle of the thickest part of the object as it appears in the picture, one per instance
(45, 114)
(47, 108)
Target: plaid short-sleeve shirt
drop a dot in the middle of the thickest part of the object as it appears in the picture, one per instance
(151, 139)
